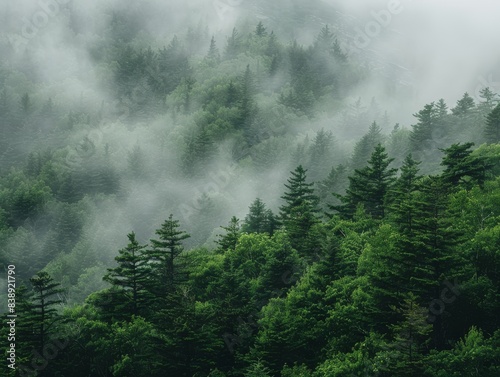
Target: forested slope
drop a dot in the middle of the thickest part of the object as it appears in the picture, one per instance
(225, 205)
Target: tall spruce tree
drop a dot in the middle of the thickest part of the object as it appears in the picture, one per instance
(369, 186)
(492, 130)
(298, 214)
(259, 219)
(229, 240)
(164, 253)
(44, 314)
(461, 168)
(130, 276)
(422, 132)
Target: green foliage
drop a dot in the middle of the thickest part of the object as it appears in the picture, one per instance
(163, 255)
(492, 130)
(298, 214)
(369, 186)
(131, 276)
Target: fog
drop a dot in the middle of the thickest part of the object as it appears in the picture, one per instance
(424, 51)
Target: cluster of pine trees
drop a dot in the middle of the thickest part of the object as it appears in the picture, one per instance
(383, 262)
(400, 279)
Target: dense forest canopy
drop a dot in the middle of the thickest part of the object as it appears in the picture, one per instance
(240, 189)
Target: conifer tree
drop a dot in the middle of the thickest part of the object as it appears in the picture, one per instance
(364, 148)
(492, 130)
(461, 168)
(403, 197)
(233, 45)
(464, 106)
(165, 252)
(246, 103)
(229, 240)
(259, 218)
(422, 133)
(489, 99)
(130, 276)
(260, 30)
(44, 314)
(298, 214)
(213, 55)
(321, 155)
(369, 186)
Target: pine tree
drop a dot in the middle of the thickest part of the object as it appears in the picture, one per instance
(489, 100)
(44, 315)
(364, 148)
(321, 155)
(130, 276)
(260, 30)
(229, 240)
(258, 219)
(422, 133)
(441, 108)
(461, 168)
(492, 130)
(164, 254)
(246, 103)
(369, 186)
(298, 214)
(464, 106)
(403, 197)
(233, 45)
(411, 337)
(213, 55)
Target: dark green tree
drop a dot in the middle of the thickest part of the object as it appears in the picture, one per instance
(421, 137)
(492, 130)
(229, 240)
(130, 276)
(402, 195)
(461, 168)
(298, 214)
(369, 186)
(44, 313)
(259, 219)
(164, 253)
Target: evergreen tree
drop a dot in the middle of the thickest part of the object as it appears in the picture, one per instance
(164, 254)
(259, 219)
(298, 214)
(130, 275)
(260, 30)
(411, 337)
(246, 105)
(44, 313)
(488, 101)
(461, 168)
(229, 240)
(464, 106)
(213, 56)
(321, 155)
(421, 137)
(233, 45)
(403, 197)
(492, 130)
(369, 186)
(364, 148)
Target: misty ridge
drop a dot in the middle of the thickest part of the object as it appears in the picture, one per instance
(299, 182)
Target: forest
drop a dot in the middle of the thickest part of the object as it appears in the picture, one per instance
(204, 202)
